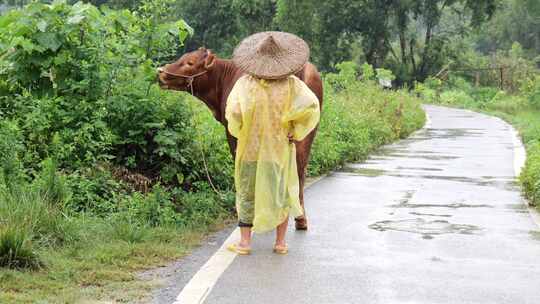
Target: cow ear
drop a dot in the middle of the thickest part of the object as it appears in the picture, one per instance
(210, 60)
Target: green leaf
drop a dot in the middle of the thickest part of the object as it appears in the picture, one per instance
(79, 8)
(9, 18)
(26, 44)
(42, 25)
(75, 19)
(180, 177)
(183, 25)
(48, 41)
(154, 125)
(184, 30)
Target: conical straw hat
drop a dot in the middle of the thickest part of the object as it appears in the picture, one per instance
(271, 55)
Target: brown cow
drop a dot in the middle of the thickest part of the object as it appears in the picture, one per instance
(211, 80)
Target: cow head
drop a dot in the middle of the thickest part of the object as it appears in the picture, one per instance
(176, 75)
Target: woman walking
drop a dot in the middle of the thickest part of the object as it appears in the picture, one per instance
(267, 110)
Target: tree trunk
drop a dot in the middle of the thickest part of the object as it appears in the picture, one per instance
(502, 78)
(425, 56)
(411, 54)
(403, 45)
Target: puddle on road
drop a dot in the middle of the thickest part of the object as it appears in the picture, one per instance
(453, 133)
(419, 168)
(407, 197)
(405, 202)
(404, 149)
(364, 171)
(428, 229)
(485, 181)
(517, 208)
(405, 152)
(450, 206)
(506, 183)
(430, 214)
(413, 155)
(461, 116)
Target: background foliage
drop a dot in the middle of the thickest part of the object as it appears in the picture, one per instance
(413, 38)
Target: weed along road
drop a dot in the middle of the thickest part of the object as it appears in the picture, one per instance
(435, 218)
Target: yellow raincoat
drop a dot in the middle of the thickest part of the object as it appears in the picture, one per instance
(260, 114)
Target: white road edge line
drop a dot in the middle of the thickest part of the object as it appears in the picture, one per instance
(520, 154)
(427, 124)
(200, 285)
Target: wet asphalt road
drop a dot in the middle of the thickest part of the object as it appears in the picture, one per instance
(436, 218)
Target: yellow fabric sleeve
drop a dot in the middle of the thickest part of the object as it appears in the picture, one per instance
(304, 113)
(233, 110)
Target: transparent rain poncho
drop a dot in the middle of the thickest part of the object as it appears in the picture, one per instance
(260, 114)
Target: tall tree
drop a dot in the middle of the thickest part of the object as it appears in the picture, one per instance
(325, 25)
(422, 39)
(214, 22)
(255, 15)
(516, 20)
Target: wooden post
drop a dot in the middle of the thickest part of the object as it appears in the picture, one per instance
(477, 79)
(502, 78)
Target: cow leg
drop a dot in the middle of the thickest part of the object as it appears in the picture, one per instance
(303, 149)
(231, 140)
(301, 221)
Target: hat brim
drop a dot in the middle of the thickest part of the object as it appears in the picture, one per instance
(288, 58)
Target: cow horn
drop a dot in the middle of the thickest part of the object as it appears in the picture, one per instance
(210, 60)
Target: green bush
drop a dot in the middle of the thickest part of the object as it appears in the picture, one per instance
(510, 104)
(25, 220)
(456, 98)
(30, 214)
(16, 249)
(82, 83)
(484, 95)
(127, 230)
(52, 185)
(458, 83)
(197, 210)
(11, 148)
(428, 90)
(530, 177)
(531, 89)
(94, 190)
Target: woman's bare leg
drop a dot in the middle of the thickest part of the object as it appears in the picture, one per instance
(281, 231)
(245, 237)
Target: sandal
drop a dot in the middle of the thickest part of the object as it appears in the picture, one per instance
(238, 250)
(281, 249)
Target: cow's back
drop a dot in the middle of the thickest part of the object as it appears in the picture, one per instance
(311, 76)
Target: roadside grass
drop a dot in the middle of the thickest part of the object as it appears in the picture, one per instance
(100, 266)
